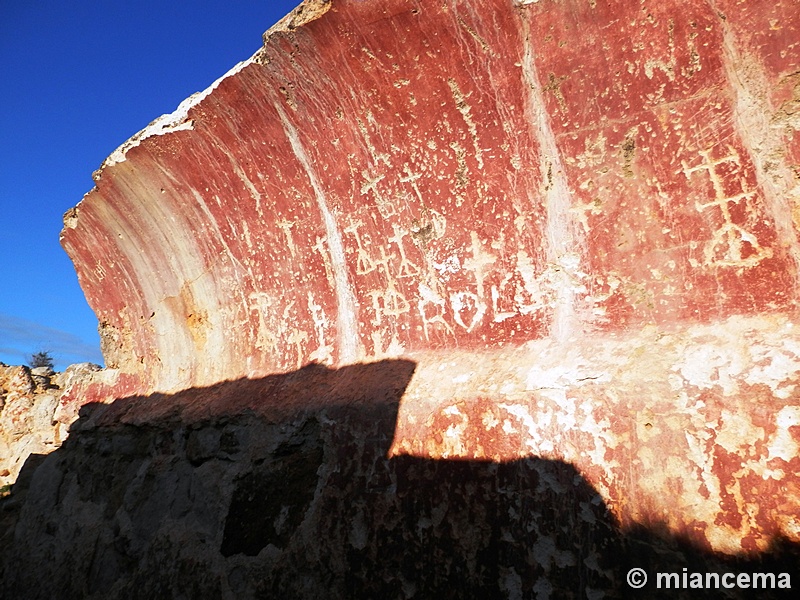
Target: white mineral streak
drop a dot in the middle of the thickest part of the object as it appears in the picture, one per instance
(348, 342)
(563, 247)
(763, 132)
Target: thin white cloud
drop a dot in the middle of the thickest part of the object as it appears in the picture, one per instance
(19, 338)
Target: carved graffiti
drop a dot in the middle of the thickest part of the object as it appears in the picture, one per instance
(260, 303)
(412, 178)
(319, 246)
(324, 352)
(370, 186)
(499, 293)
(429, 297)
(100, 271)
(297, 337)
(364, 263)
(286, 227)
(731, 245)
(388, 303)
(406, 268)
(478, 263)
(468, 309)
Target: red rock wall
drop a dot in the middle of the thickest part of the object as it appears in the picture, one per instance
(579, 217)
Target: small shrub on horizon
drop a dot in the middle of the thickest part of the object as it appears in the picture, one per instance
(41, 359)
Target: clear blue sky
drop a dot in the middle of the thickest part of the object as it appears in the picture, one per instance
(77, 79)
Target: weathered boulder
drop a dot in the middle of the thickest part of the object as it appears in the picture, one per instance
(578, 218)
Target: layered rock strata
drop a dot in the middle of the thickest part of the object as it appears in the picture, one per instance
(578, 218)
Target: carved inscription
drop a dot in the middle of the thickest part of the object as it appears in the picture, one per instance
(324, 351)
(731, 244)
(260, 304)
(501, 290)
(406, 268)
(364, 263)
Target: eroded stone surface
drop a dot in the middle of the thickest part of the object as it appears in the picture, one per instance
(579, 218)
(396, 176)
(694, 430)
(282, 487)
(29, 399)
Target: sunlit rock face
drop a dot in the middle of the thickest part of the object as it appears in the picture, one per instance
(579, 218)
(29, 399)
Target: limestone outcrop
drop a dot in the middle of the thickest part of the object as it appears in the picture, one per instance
(29, 399)
(578, 219)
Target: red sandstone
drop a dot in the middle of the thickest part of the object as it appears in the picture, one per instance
(579, 218)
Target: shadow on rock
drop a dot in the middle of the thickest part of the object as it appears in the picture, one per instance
(281, 488)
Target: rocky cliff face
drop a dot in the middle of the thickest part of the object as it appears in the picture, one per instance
(577, 219)
(384, 178)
